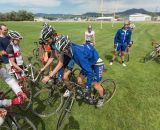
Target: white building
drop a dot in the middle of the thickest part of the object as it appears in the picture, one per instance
(40, 19)
(104, 19)
(139, 17)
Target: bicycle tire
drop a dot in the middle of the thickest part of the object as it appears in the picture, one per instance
(16, 121)
(110, 88)
(28, 91)
(47, 102)
(150, 56)
(65, 109)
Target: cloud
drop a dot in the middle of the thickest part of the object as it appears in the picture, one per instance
(77, 6)
(32, 3)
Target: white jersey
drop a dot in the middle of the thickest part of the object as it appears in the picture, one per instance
(89, 35)
(16, 53)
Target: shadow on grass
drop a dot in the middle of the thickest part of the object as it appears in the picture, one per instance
(37, 121)
(72, 124)
(157, 60)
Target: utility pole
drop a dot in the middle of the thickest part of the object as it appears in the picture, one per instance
(101, 13)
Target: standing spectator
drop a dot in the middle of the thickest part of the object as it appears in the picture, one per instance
(90, 36)
(4, 42)
(122, 40)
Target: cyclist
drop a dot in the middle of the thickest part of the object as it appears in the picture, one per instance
(121, 41)
(65, 69)
(15, 57)
(86, 57)
(90, 36)
(44, 49)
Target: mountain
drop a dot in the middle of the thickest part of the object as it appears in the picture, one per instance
(132, 11)
(94, 14)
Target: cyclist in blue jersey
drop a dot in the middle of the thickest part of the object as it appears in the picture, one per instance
(121, 41)
(86, 57)
(49, 36)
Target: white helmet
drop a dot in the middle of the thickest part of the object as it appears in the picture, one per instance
(62, 43)
(15, 35)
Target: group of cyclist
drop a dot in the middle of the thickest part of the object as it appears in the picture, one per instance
(54, 46)
(12, 53)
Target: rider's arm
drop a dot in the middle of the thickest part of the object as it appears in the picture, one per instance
(85, 36)
(3, 52)
(94, 39)
(12, 61)
(40, 50)
(53, 53)
(129, 38)
(58, 66)
(116, 37)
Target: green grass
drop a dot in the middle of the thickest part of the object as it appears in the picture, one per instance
(136, 104)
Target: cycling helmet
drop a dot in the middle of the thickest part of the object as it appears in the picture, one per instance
(47, 33)
(45, 25)
(14, 35)
(62, 43)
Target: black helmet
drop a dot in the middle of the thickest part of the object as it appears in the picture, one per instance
(14, 35)
(47, 33)
(62, 43)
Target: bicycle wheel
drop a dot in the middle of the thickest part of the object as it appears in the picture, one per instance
(66, 107)
(28, 91)
(110, 88)
(74, 75)
(46, 102)
(150, 56)
(17, 122)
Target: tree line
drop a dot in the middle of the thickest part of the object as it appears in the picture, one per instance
(21, 15)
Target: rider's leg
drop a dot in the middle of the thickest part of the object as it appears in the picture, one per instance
(99, 88)
(80, 79)
(122, 56)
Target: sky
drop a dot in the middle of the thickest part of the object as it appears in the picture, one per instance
(77, 6)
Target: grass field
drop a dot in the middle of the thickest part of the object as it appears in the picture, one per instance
(136, 104)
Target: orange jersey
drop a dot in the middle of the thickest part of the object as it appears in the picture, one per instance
(47, 48)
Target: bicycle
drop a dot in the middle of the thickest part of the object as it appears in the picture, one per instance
(155, 53)
(29, 78)
(108, 85)
(48, 100)
(15, 121)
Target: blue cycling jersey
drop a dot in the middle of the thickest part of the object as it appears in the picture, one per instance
(123, 36)
(85, 56)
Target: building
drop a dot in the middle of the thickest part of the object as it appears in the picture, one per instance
(140, 17)
(40, 19)
(104, 19)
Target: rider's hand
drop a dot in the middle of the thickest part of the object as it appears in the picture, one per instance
(46, 79)
(3, 112)
(42, 59)
(115, 46)
(129, 45)
(42, 69)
